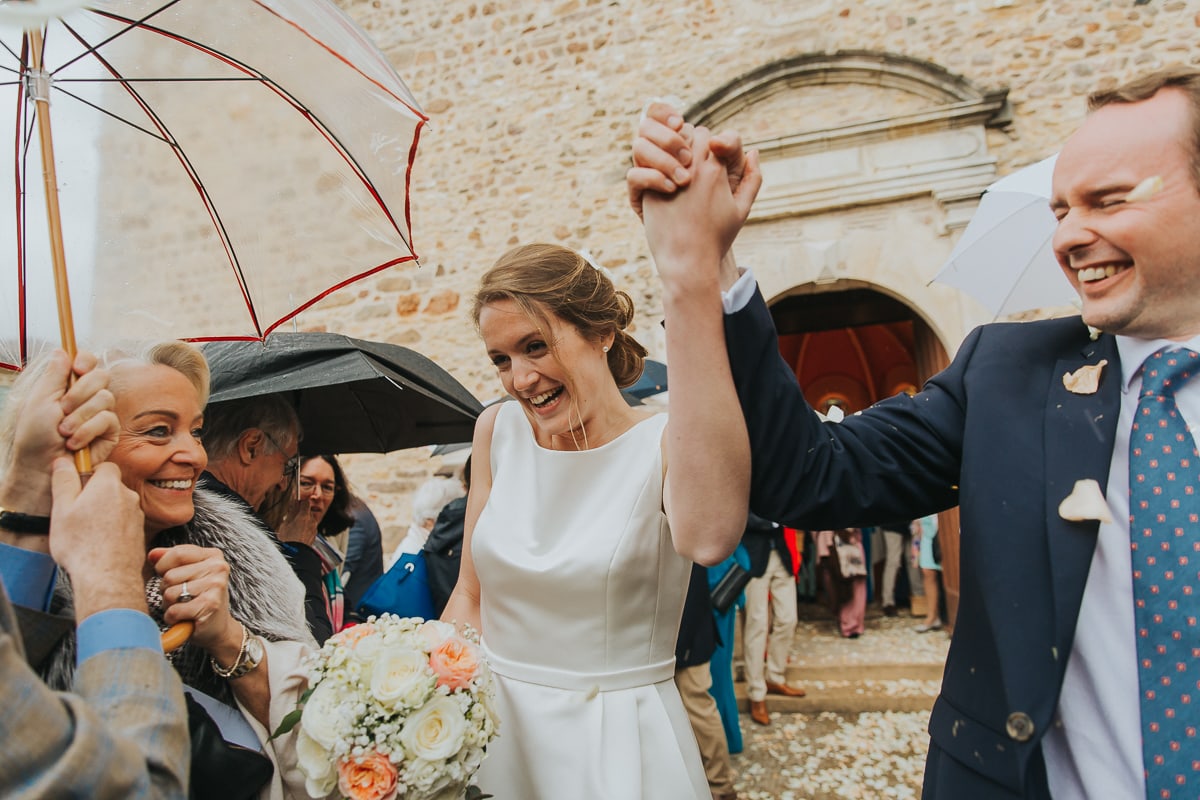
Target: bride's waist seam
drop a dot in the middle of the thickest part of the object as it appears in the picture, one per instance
(580, 681)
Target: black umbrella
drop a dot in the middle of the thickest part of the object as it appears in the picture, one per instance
(352, 395)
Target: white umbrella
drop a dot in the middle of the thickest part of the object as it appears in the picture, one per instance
(1003, 258)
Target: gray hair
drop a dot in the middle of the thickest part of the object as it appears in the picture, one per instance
(432, 495)
(225, 422)
(184, 358)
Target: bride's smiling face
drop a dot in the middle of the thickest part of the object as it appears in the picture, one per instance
(552, 371)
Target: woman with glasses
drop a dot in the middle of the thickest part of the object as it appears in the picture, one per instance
(313, 513)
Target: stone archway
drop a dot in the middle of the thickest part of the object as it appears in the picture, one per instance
(872, 163)
(852, 345)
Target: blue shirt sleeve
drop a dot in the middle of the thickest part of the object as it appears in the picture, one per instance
(116, 629)
(28, 576)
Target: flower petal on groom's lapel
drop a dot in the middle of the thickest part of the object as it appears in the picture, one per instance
(1086, 379)
(1085, 502)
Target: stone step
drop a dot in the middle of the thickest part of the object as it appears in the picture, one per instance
(864, 672)
(855, 689)
(851, 697)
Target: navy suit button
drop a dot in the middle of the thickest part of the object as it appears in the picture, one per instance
(1019, 726)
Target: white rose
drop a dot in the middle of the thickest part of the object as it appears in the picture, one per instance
(401, 678)
(436, 731)
(367, 648)
(321, 715)
(317, 764)
(434, 632)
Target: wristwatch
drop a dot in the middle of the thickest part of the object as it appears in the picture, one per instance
(249, 656)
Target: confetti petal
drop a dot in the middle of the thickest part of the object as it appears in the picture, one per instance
(1145, 190)
(1085, 502)
(1086, 379)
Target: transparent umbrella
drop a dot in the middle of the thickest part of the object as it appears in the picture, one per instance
(220, 165)
(1004, 259)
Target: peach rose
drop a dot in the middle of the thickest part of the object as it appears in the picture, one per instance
(455, 662)
(371, 777)
(352, 635)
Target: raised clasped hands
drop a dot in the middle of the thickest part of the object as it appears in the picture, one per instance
(693, 189)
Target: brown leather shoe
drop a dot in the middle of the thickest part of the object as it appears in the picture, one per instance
(758, 712)
(785, 690)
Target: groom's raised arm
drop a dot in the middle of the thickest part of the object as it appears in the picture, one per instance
(804, 472)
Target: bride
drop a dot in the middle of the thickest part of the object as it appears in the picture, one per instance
(583, 519)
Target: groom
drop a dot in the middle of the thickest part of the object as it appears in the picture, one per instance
(1065, 676)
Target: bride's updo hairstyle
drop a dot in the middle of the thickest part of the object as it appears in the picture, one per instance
(543, 278)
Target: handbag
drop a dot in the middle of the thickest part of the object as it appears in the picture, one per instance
(226, 764)
(403, 590)
(849, 558)
(730, 587)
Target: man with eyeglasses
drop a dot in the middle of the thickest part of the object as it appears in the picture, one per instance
(253, 446)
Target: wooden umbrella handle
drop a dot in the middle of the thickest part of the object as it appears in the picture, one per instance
(174, 636)
(58, 260)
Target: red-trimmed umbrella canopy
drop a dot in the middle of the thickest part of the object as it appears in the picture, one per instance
(221, 165)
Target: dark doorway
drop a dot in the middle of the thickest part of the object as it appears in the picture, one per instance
(851, 346)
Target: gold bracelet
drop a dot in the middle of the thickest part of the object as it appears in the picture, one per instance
(241, 656)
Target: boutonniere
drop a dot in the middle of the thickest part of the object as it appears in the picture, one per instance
(1086, 379)
(1085, 502)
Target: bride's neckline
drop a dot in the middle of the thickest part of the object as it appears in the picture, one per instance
(638, 422)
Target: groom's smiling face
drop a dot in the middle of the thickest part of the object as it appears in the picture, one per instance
(1134, 261)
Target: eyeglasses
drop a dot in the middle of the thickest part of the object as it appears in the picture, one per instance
(293, 462)
(308, 484)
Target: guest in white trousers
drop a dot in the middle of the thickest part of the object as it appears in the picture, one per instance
(772, 594)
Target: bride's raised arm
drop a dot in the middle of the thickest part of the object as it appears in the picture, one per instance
(708, 451)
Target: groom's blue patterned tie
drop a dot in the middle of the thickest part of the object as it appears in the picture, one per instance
(1164, 534)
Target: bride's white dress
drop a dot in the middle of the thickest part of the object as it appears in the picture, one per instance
(582, 593)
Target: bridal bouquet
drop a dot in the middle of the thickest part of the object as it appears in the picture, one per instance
(396, 708)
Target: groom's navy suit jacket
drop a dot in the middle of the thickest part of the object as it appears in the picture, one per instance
(998, 434)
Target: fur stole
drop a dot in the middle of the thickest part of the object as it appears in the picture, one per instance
(264, 593)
